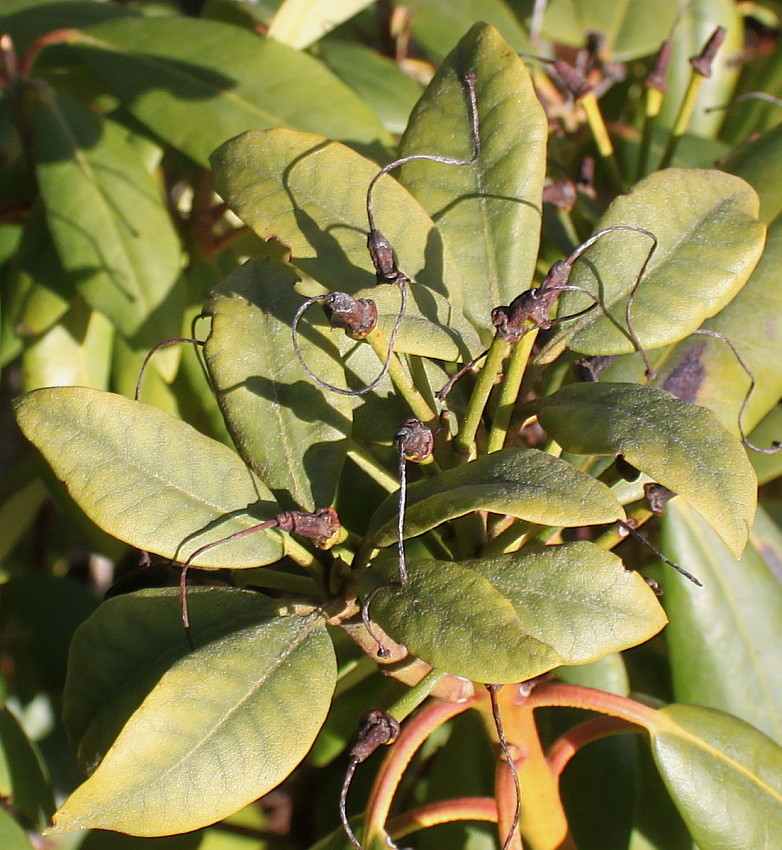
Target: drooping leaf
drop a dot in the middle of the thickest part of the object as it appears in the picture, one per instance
(293, 434)
(528, 484)
(489, 213)
(709, 240)
(680, 445)
(723, 774)
(724, 637)
(630, 31)
(311, 193)
(209, 731)
(107, 218)
(196, 83)
(572, 604)
(150, 479)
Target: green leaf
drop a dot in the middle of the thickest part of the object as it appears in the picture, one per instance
(438, 24)
(209, 731)
(311, 193)
(724, 776)
(489, 213)
(512, 617)
(631, 30)
(75, 351)
(680, 445)
(723, 637)
(107, 218)
(300, 23)
(291, 433)
(457, 621)
(709, 242)
(196, 83)
(577, 598)
(767, 467)
(378, 80)
(431, 326)
(12, 835)
(528, 484)
(759, 163)
(150, 479)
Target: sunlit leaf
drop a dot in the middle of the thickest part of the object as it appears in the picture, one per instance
(311, 193)
(723, 637)
(196, 83)
(290, 432)
(528, 484)
(724, 775)
(210, 730)
(680, 445)
(150, 479)
(709, 240)
(488, 213)
(299, 23)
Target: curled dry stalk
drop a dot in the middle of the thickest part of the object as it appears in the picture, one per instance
(359, 320)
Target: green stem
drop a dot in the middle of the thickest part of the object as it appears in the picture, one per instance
(510, 390)
(682, 118)
(417, 403)
(414, 696)
(654, 101)
(509, 540)
(464, 444)
(296, 552)
(614, 536)
(373, 468)
(359, 669)
(602, 140)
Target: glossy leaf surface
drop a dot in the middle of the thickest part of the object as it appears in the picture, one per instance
(529, 484)
(489, 213)
(504, 619)
(724, 775)
(150, 479)
(679, 445)
(311, 193)
(196, 83)
(709, 240)
(106, 215)
(723, 637)
(290, 432)
(258, 687)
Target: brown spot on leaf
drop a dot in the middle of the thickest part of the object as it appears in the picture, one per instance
(687, 376)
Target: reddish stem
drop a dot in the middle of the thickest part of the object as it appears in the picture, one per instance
(443, 811)
(61, 36)
(568, 744)
(414, 733)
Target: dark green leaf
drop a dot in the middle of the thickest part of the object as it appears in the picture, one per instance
(196, 83)
(209, 731)
(759, 163)
(680, 445)
(723, 637)
(150, 479)
(724, 776)
(528, 484)
(709, 242)
(489, 213)
(291, 433)
(311, 193)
